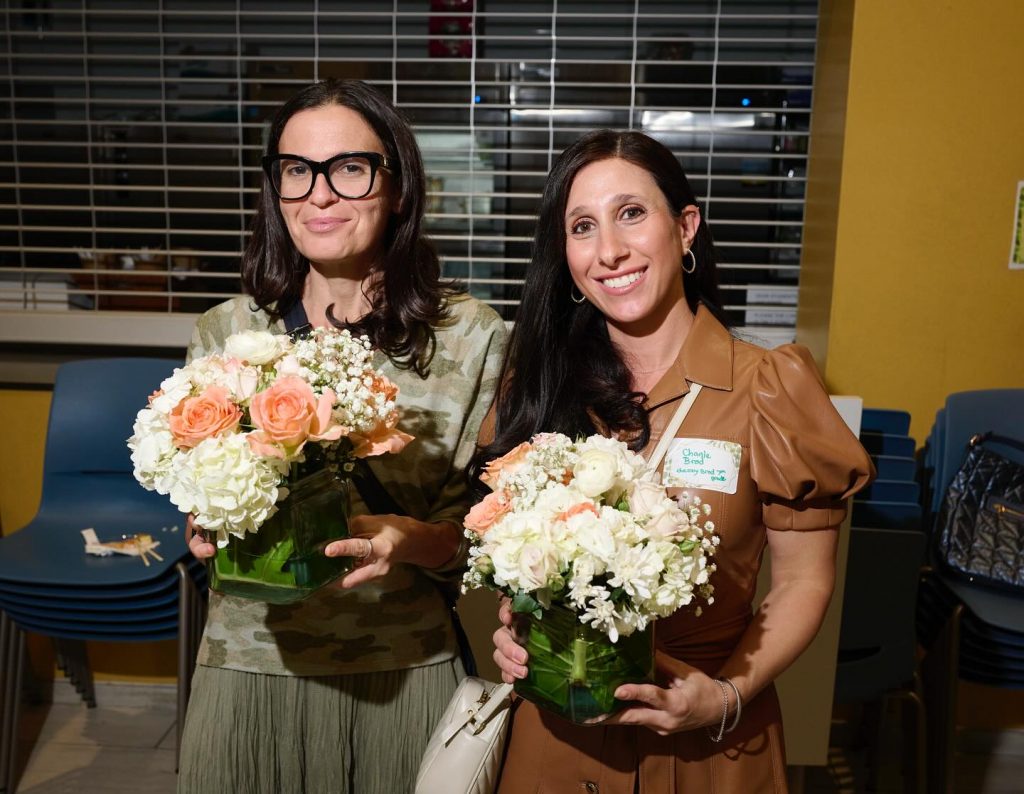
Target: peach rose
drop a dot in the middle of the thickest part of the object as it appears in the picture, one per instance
(575, 510)
(378, 441)
(484, 513)
(287, 415)
(209, 414)
(511, 460)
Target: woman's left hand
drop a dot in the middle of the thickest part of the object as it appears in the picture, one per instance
(378, 543)
(690, 699)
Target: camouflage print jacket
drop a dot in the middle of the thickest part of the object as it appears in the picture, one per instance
(398, 621)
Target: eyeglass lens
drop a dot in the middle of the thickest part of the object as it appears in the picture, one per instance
(352, 177)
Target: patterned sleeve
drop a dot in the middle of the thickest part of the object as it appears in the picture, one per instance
(486, 335)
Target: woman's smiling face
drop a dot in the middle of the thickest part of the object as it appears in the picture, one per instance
(327, 229)
(624, 246)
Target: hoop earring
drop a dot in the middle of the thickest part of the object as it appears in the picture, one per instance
(572, 294)
(689, 271)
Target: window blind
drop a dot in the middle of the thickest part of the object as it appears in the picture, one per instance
(131, 134)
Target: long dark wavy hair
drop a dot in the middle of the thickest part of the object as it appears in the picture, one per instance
(407, 297)
(562, 371)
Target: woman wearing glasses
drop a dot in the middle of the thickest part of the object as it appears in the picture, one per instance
(337, 692)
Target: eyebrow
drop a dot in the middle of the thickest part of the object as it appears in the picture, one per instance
(621, 198)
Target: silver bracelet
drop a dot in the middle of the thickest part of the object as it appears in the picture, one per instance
(725, 712)
(739, 705)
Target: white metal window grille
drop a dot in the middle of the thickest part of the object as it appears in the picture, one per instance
(131, 133)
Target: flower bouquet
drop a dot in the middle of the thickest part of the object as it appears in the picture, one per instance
(257, 443)
(590, 549)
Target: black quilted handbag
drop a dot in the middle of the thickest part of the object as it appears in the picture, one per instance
(981, 524)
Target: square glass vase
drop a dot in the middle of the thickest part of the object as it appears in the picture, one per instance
(283, 561)
(574, 670)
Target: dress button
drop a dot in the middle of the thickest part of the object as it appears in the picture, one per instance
(590, 787)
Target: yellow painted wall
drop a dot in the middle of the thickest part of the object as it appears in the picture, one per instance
(917, 146)
(932, 147)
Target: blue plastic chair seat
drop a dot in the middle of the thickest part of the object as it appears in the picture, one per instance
(888, 444)
(893, 467)
(885, 420)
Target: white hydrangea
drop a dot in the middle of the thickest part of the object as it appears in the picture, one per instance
(153, 450)
(228, 488)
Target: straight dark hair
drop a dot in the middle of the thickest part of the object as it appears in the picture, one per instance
(406, 293)
(562, 373)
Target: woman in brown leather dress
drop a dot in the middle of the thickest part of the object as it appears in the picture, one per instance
(624, 316)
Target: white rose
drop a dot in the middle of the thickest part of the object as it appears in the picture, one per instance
(253, 347)
(595, 472)
(665, 519)
(536, 566)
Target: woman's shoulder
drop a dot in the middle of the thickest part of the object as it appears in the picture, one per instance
(217, 323)
(466, 313)
(786, 362)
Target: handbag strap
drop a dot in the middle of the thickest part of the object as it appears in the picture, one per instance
(995, 438)
(669, 433)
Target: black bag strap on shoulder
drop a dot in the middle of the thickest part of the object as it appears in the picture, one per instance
(380, 502)
(995, 438)
(296, 323)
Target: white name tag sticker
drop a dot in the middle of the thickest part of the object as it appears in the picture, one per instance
(702, 463)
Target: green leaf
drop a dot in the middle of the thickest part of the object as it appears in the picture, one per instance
(687, 546)
(526, 603)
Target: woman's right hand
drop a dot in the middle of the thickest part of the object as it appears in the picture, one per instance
(509, 655)
(200, 547)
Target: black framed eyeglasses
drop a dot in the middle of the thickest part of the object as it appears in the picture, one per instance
(349, 174)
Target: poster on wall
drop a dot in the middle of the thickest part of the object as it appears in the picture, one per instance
(1017, 246)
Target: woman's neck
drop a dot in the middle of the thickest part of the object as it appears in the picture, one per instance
(343, 293)
(651, 350)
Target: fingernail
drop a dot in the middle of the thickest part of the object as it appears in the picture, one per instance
(521, 657)
(622, 693)
(520, 672)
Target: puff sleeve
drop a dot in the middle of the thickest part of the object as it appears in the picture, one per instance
(803, 457)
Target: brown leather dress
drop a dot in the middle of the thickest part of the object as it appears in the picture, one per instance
(799, 462)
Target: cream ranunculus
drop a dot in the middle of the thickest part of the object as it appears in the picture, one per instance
(252, 347)
(595, 472)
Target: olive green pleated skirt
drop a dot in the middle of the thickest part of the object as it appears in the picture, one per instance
(247, 733)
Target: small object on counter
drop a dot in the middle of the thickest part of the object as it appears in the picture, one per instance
(139, 545)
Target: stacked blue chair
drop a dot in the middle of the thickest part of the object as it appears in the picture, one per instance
(876, 654)
(50, 586)
(970, 632)
(892, 501)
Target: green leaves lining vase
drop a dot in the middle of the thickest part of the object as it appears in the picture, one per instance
(574, 669)
(284, 561)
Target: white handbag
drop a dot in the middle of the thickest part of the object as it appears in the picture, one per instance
(465, 750)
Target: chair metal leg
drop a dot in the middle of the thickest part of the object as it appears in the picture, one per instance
(940, 675)
(914, 739)
(15, 663)
(7, 631)
(187, 633)
(78, 671)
